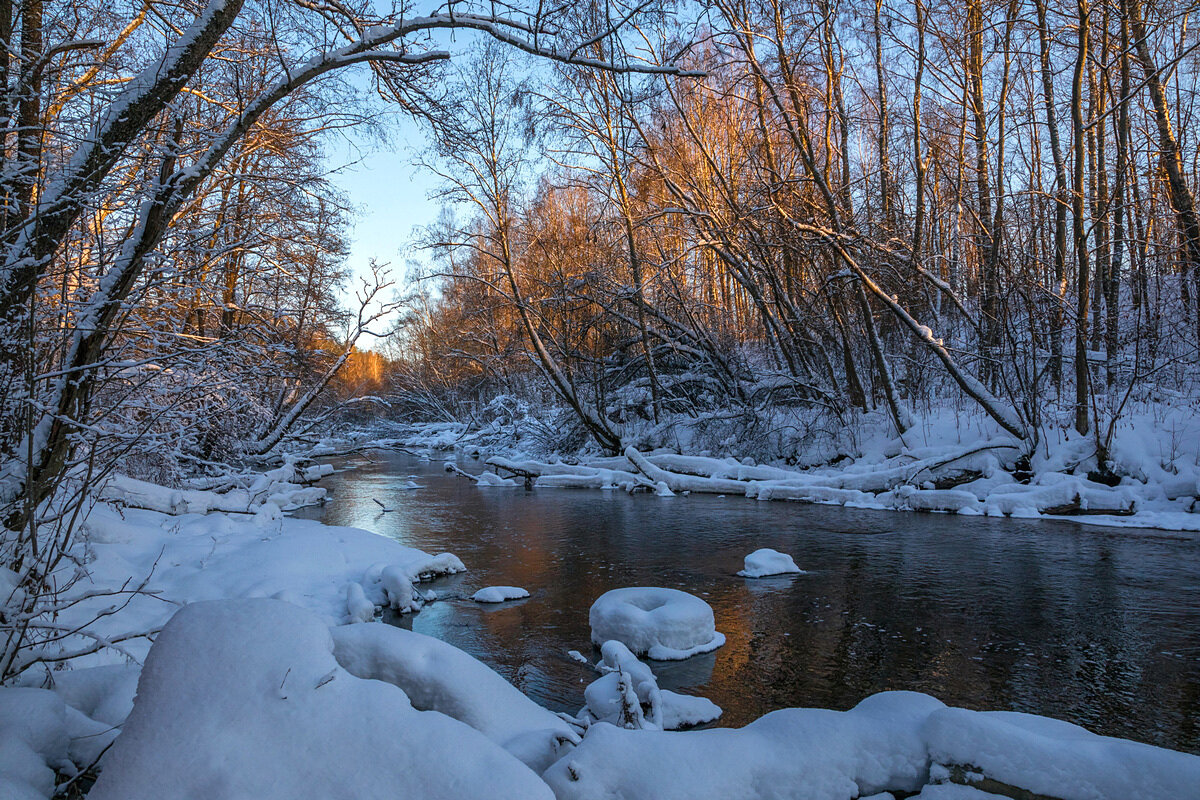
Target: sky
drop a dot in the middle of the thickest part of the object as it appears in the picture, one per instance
(391, 197)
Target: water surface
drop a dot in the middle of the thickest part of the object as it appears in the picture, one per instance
(1100, 627)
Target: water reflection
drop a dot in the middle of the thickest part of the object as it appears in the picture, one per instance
(1096, 627)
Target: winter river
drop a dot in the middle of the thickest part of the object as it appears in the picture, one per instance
(1097, 626)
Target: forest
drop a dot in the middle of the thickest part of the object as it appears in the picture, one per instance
(804, 234)
(760, 216)
(855, 208)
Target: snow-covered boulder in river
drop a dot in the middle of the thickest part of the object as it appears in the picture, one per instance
(764, 562)
(664, 624)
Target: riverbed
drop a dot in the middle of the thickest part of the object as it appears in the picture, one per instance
(1100, 627)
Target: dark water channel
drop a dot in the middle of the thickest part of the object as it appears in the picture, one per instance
(1096, 626)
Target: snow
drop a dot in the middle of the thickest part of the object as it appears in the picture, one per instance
(245, 699)
(439, 677)
(953, 791)
(492, 479)
(33, 742)
(280, 488)
(665, 624)
(812, 754)
(245, 696)
(627, 694)
(1055, 758)
(498, 594)
(192, 557)
(765, 561)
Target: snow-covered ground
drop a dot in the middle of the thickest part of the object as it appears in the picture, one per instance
(270, 678)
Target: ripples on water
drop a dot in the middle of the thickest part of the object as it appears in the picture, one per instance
(1096, 626)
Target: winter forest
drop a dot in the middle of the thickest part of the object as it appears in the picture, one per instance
(861, 258)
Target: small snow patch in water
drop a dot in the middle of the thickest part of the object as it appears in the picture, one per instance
(498, 594)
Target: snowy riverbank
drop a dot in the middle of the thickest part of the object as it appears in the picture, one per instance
(1150, 480)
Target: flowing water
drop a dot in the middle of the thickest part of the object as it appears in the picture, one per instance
(1100, 627)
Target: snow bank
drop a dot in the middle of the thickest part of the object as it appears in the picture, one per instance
(812, 754)
(765, 561)
(665, 624)
(498, 594)
(439, 677)
(243, 699)
(1050, 757)
(192, 557)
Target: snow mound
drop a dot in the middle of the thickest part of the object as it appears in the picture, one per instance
(243, 699)
(665, 624)
(439, 677)
(1051, 757)
(628, 695)
(498, 594)
(806, 753)
(765, 561)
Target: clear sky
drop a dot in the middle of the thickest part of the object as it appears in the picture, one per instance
(391, 197)
(390, 194)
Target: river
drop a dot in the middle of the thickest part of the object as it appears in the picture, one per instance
(1100, 627)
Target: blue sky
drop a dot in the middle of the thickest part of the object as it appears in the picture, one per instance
(391, 196)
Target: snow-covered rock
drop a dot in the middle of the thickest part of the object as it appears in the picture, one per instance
(499, 594)
(243, 699)
(765, 561)
(437, 676)
(665, 624)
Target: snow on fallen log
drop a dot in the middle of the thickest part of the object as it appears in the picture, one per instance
(578, 476)
(683, 483)
(719, 468)
(951, 501)
(135, 493)
(1066, 495)
(809, 493)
